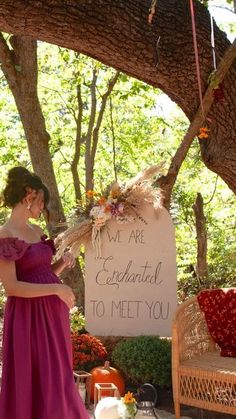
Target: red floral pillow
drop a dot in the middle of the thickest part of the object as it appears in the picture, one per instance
(219, 307)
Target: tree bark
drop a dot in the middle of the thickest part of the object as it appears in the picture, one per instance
(118, 34)
(78, 143)
(202, 269)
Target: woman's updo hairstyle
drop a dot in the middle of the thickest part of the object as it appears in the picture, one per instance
(19, 180)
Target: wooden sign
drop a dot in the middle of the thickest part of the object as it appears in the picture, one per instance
(132, 289)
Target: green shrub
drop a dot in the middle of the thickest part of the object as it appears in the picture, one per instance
(145, 359)
(77, 321)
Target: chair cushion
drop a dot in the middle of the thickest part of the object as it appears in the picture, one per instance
(219, 307)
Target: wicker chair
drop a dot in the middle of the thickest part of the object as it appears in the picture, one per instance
(200, 376)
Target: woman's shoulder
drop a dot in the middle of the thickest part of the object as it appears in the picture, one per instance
(11, 248)
(5, 232)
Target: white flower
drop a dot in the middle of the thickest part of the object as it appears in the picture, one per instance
(94, 211)
(101, 219)
(73, 310)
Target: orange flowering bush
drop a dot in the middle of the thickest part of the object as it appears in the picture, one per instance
(88, 351)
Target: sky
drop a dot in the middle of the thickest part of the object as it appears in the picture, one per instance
(223, 18)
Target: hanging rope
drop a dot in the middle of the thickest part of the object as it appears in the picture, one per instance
(196, 55)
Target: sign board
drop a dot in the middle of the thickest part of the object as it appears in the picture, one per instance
(132, 289)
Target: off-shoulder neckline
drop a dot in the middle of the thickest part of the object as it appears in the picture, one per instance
(42, 237)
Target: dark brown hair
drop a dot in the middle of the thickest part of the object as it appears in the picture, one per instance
(18, 181)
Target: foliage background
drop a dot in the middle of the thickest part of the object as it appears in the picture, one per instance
(141, 127)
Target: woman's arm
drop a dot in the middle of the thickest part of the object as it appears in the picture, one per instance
(16, 288)
(66, 261)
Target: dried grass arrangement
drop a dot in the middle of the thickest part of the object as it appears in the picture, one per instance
(124, 204)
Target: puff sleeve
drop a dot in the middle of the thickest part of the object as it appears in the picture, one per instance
(12, 248)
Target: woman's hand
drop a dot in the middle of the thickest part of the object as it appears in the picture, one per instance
(66, 294)
(68, 260)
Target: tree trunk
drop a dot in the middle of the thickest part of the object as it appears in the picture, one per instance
(20, 69)
(75, 279)
(202, 269)
(118, 34)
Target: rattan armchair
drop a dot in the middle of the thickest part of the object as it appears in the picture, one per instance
(200, 376)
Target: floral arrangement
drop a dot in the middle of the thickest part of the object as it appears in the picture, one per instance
(112, 206)
(88, 351)
(129, 403)
(77, 320)
(124, 204)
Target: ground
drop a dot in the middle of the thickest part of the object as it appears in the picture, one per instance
(165, 402)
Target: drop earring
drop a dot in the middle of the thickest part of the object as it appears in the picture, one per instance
(28, 206)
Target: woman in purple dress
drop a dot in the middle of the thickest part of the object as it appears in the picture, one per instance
(37, 377)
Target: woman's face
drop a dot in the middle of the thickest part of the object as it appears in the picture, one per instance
(37, 204)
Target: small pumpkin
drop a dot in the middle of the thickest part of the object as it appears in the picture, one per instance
(107, 374)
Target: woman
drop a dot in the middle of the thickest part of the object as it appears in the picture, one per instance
(37, 377)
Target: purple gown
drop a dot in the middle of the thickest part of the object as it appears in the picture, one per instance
(37, 377)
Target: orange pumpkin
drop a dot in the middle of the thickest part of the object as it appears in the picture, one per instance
(107, 374)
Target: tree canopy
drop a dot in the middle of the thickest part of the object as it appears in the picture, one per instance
(141, 133)
(88, 124)
(161, 54)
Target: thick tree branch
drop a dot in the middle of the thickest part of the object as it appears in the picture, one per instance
(77, 153)
(166, 183)
(88, 139)
(113, 139)
(92, 112)
(117, 33)
(7, 63)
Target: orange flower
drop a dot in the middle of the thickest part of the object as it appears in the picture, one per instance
(102, 200)
(90, 193)
(108, 208)
(88, 351)
(129, 398)
(203, 133)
